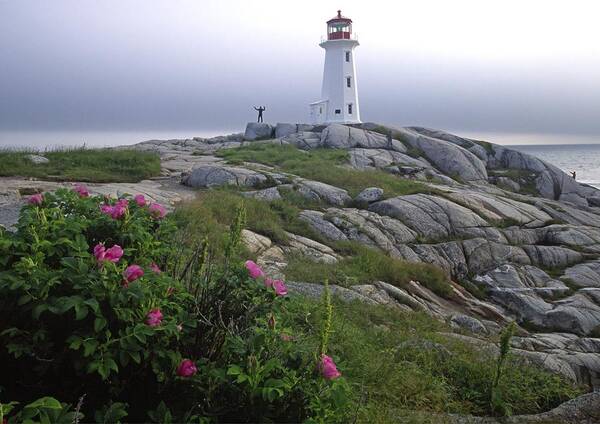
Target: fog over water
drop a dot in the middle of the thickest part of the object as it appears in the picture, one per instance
(127, 70)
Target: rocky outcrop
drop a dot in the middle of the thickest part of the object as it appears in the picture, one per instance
(431, 217)
(530, 258)
(258, 131)
(216, 175)
(321, 192)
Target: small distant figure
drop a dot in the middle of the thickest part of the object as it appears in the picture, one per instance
(574, 175)
(389, 139)
(260, 110)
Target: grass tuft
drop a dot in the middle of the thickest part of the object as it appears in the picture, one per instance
(364, 265)
(324, 165)
(405, 370)
(82, 164)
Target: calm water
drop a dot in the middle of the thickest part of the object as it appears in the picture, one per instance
(584, 159)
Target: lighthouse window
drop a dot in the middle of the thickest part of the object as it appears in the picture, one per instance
(349, 108)
(338, 111)
(347, 56)
(348, 82)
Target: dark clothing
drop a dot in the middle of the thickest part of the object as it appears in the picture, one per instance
(260, 113)
(574, 175)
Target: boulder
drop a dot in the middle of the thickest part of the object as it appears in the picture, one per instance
(317, 221)
(369, 195)
(255, 243)
(337, 136)
(451, 159)
(465, 322)
(37, 159)
(283, 130)
(430, 216)
(321, 192)
(216, 175)
(583, 275)
(316, 291)
(552, 256)
(382, 158)
(523, 278)
(312, 249)
(268, 194)
(258, 131)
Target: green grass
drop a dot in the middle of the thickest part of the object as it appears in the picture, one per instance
(526, 179)
(215, 209)
(364, 265)
(82, 164)
(324, 165)
(392, 381)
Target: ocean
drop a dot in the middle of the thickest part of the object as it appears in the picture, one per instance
(584, 159)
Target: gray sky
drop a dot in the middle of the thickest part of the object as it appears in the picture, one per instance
(519, 66)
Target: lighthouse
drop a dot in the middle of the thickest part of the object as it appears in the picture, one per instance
(339, 93)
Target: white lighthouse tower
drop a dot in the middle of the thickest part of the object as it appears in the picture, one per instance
(339, 94)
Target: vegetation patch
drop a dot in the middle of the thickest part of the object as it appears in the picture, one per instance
(113, 311)
(82, 164)
(105, 317)
(400, 363)
(324, 165)
(364, 265)
(214, 210)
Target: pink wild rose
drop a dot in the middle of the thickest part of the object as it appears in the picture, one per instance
(280, 288)
(106, 209)
(154, 317)
(186, 368)
(157, 210)
(132, 273)
(118, 210)
(81, 190)
(155, 268)
(36, 199)
(113, 254)
(140, 200)
(99, 251)
(254, 270)
(328, 369)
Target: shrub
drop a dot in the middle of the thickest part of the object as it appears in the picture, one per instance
(101, 305)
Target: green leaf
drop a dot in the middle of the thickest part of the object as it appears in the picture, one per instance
(234, 370)
(89, 346)
(37, 311)
(99, 324)
(74, 342)
(45, 402)
(80, 311)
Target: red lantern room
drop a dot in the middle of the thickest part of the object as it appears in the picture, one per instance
(339, 28)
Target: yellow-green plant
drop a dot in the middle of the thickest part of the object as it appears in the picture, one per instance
(327, 319)
(496, 402)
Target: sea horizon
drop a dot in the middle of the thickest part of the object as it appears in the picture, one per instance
(580, 154)
(48, 139)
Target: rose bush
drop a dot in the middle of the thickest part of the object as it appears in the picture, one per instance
(102, 307)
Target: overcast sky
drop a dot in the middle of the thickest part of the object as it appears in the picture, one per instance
(516, 66)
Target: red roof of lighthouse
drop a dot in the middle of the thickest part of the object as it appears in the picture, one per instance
(339, 18)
